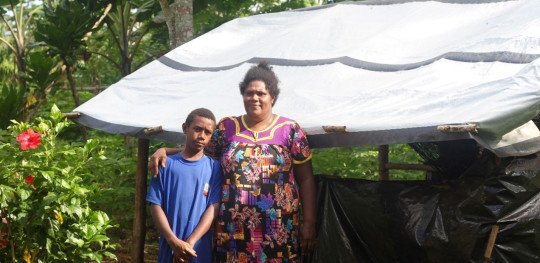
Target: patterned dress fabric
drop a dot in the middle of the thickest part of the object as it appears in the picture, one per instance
(258, 219)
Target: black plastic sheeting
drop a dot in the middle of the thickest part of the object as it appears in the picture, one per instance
(425, 221)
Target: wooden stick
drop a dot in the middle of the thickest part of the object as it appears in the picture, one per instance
(458, 128)
(153, 129)
(491, 241)
(72, 115)
(332, 129)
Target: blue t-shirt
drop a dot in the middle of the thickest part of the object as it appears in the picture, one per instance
(184, 189)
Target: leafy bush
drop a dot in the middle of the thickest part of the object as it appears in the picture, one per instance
(11, 101)
(362, 162)
(45, 197)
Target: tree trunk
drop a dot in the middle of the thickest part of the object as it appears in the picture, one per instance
(124, 52)
(21, 66)
(179, 19)
(75, 98)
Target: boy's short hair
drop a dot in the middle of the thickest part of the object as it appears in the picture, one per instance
(202, 112)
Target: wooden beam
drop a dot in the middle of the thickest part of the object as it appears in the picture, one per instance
(410, 166)
(139, 221)
(335, 129)
(458, 128)
(153, 130)
(383, 161)
(72, 115)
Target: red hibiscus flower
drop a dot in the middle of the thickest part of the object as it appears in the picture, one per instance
(29, 179)
(29, 139)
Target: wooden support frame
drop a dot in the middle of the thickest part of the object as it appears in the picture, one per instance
(385, 166)
(139, 219)
(384, 174)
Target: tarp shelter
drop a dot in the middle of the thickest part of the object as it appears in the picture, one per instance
(354, 73)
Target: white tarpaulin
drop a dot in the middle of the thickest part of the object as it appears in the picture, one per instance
(388, 71)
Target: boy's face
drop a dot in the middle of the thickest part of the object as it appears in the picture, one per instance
(198, 133)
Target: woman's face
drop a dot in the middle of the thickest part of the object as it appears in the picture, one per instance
(257, 100)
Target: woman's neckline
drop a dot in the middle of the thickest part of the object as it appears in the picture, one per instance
(268, 126)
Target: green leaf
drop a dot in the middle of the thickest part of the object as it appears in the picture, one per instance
(56, 114)
(23, 193)
(99, 238)
(48, 245)
(109, 255)
(47, 175)
(74, 209)
(76, 241)
(101, 218)
(65, 184)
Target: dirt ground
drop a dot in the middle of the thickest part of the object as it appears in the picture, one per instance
(123, 237)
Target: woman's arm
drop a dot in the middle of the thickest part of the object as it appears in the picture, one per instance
(308, 194)
(160, 156)
(204, 225)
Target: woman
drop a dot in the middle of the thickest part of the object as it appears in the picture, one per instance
(266, 165)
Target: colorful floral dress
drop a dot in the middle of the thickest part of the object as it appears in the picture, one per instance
(258, 219)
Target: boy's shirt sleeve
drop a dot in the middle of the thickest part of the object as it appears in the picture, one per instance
(155, 191)
(215, 184)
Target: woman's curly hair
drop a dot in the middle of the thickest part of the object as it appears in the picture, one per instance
(262, 72)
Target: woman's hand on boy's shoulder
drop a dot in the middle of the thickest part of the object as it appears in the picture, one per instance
(158, 158)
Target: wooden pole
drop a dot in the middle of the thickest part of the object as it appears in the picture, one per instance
(383, 160)
(491, 241)
(139, 221)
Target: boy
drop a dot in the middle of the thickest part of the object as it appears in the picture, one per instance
(185, 196)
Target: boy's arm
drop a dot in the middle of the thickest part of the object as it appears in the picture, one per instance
(160, 156)
(180, 248)
(204, 224)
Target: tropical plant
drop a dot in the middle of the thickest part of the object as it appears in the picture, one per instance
(209, 14)
(18, 26)
(11, 102)
(128, 23)
(65, 29)
(43, 75)
(7, 67)
(17, 18)
(45, 200)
